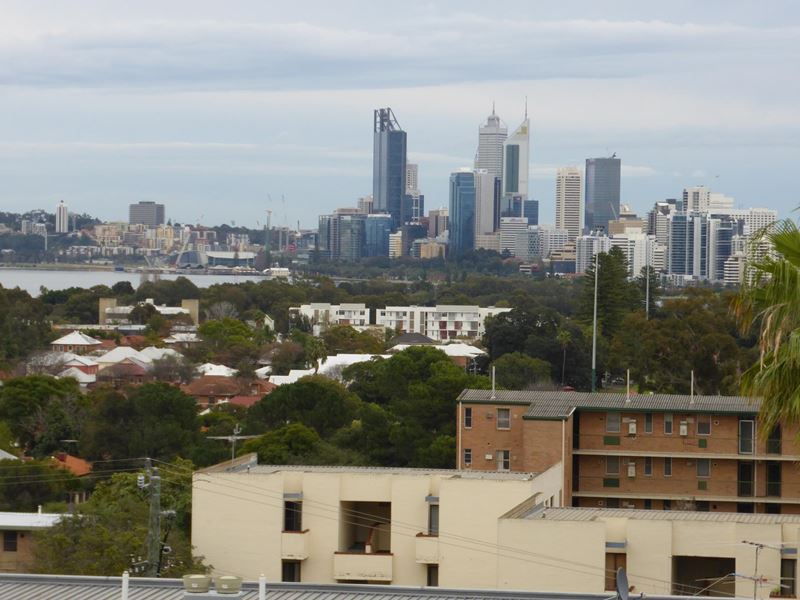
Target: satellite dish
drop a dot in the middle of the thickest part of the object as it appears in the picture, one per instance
(622, 584)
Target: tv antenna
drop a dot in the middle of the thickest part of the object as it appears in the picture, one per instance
(622, 587)
(237, 429)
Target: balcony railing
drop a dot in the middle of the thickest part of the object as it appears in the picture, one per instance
(359, 566)
(294, 545)
(427, 548)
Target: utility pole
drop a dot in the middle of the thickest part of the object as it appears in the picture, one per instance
(594, 320)
(647, 284)
(154, 530)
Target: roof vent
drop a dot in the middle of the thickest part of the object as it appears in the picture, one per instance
(196, 584)
(228, 584)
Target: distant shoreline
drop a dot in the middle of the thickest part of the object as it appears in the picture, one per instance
(57, 267)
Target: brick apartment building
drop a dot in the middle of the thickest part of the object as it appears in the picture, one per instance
(660, 451)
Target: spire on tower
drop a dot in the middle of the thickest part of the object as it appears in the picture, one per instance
(526, 107)
(492, 107)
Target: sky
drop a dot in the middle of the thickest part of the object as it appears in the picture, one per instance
(223, 110)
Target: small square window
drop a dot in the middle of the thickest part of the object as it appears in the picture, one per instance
(703, 467)
(9, 541)
(504, 418)
(467, 456)
(612, 465)
(467, 418)
(613, 422)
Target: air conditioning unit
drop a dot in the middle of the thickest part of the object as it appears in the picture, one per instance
(632, 428)
(632, 469)
(488, 456)
(684, 428)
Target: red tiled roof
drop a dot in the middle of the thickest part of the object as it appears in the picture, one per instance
(73, 464)
(246, 401)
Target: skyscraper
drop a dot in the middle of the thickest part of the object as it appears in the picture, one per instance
(377, 228)
(146, 213)
(530, 210)
(389, 168)
(491, 136)
(602, 192)
(485, 221)
(415, 199)
(62, 218)
(569, 184)
(462, 212)
(516, 151)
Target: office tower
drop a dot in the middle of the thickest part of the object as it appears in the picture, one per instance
(377, 228)
(638, 248)
(602, 192)
(351, 236)
(462, 212)
(146, 213)
(530, 210)
(569, 188)
(396, 244)
(365, 205)
(586, 246)
(62, 218)
(415, 201)
(437, 222)
(657, 219)
(688, 245)
(484, 201)
(539, 241)
(515, 166)
(389, 168)
(491, 136)
(510, 227)
(696, 198)
(25, 227)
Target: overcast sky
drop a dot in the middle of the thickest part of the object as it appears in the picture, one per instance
(214, 107)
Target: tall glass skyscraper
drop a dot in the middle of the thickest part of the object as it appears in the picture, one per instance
(491, 136)
(377, 228)
(389, 168)
(602, 191)
(516, 151)
(462, 212)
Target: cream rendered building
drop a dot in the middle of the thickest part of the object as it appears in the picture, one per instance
(409, 527)
(569, 200)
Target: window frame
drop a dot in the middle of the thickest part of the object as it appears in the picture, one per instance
(669, 418)
(467, 456)
(647, 468)
(618, 417)
(505, 411)
(667, 469)
(293, 516)
(648, 422)
(11, 541)
(467, 417)
(703, 461)
(505, 457)
(608, 470)
(433, 519)
(297, 571)
(698, 422)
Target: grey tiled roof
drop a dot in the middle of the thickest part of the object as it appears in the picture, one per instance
(592, 514)
(558, 405)
(63, 587)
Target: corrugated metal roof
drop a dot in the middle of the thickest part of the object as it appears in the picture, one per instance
(355, 470)
(64, 587)
(557, 405)
(593, 514)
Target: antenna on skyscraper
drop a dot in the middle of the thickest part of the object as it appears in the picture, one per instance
(492, 107)
(526, 107)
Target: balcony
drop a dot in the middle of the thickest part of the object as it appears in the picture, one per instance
(294, 545)
(427, 548)
(360, 566)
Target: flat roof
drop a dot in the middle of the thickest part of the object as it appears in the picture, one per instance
(560, 405)
(594, 514)
(18, 586)
(22, 520)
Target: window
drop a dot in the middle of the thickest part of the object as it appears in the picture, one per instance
(433, 576)
(667, 467)
(433, 519)
(648, 465)
(612, 422)
(290, 571)
(292, 516)
(503, 418)
(612, 465)
(648, 422)
(667, 423)
(648, 504)
(746, 435)
(703, 424)
(703, 467)
(504, 460)
(667, 504)
(467, 456)
(788, 576)
(467, 418)
(9, 541)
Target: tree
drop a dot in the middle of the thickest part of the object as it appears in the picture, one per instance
(345, 339)
(297, 444)
(228, 340)
(157, 419)
(564, 337)
(615, 294)
(24, 327)
(112, 526)
(516, 371)
(314, 401)
(769, 304)
(26, 485)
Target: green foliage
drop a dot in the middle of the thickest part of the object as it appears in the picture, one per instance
(227, 340)
(616, 296)
(26, 485)
(155, 420)
(23, 325)
(296, 444)
(517, 371)
(112, 526)
(343, 339)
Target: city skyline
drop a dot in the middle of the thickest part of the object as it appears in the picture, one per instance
(232, 133)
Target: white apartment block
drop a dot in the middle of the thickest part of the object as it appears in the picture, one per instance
(586, 246)
(569, 200)
(410, 527)
(323, 315)
(510, 227)
(396, 244)
(755, 219)
(440, 323)
(540, 241)
(639, 250)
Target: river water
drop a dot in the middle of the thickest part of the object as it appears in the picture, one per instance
(31, 280)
